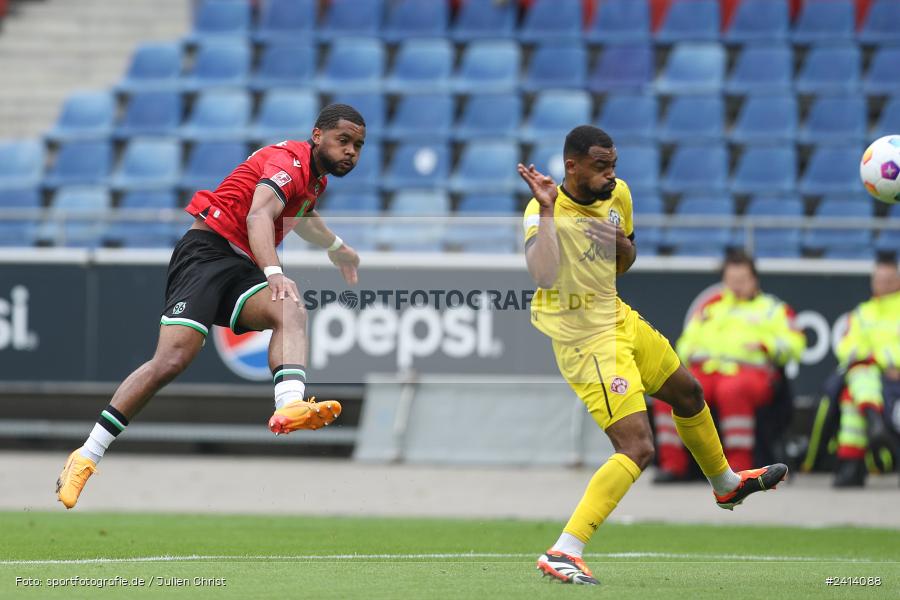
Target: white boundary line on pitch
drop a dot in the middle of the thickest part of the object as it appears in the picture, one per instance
(441, 556)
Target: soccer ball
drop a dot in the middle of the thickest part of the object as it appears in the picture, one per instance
(879, 169)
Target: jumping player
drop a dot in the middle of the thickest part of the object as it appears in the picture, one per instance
(579, 236)
(218, 269)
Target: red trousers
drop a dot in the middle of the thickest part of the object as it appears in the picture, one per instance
(735, 398)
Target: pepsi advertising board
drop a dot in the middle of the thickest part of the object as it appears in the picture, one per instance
(98, 322)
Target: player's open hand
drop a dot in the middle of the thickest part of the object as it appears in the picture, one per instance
(283, 288)
(346, 260)
(542, 186)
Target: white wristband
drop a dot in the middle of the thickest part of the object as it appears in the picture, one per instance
(269, 271)
(337, 243)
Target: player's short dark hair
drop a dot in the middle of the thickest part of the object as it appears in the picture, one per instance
(887, 258)
(738, 257)
(330, 115)
(581, 139)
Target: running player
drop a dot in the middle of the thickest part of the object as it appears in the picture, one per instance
(218, 269)
(579, 236)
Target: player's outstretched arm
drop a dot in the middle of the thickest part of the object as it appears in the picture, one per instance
(542, 250)
(313, 229)
(265, 208)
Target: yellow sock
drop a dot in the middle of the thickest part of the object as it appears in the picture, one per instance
(608, 485)
(700, 436)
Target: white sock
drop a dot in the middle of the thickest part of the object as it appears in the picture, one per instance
(95, 446)
(725, 482)
(569, 544)
(287, 392)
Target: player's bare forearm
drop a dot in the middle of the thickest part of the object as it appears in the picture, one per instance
(313, 229)
(542, 255)
(625, 256)
(261, 226)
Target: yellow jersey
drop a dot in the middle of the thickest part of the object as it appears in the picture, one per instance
(583, 300)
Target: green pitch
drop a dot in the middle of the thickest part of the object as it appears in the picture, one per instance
(310, 557)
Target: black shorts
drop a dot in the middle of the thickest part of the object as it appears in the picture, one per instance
(208, 283)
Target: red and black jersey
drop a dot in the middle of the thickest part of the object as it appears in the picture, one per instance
(286, 168)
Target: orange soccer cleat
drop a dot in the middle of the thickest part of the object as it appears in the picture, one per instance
(566, 568)
(74, 475)
(752, 480)
(304, 414)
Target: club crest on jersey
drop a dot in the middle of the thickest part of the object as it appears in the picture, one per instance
(179, 308)
(614, 217)
(297, 163)
(619, 385)
(281, 178)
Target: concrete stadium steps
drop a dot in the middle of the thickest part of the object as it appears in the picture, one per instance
(50, 48)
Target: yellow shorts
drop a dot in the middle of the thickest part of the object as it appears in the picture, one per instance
(611, 373)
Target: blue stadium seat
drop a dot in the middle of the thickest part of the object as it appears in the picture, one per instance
(484, 19)
(487, 166)
(350, 18)
(414, 18)
(552, 20)
(81, 162)
(286, 63)
(629, 118)
(220, 19)
(835, 119)
(694, 119)
(841, 242)
(219, 115)
(889, 120)
(759, 21)
(888, 240)
(219, 64)
(766, 169)
(354, 65)
(555, 113)
(623, 68)
(360, 204)
(693, 68)
(76, 217)
(776, 242)
(411, 235)
(373, 108)
(762, 69)
(617, 21)
(648, 204)
(690, 21)
(154, 66)
(418, 165)
(832, 170)
(766, 119)
(149, 163)
(421, 66)
(85, 115)
(638, 165)
(707, 240)
(144, 233)
(824, 22)
(151, 113)
(647, 239)
(365, 177)
(210, 162)
(775, 206)
(19, 231)
(882, 75)
(489, 67)
(494, 116)
(354, 216)
(422, 116)
(830, 69)
(547, 157)
(697, 168)
(21, 163)
(492, 204)
(705, 205)
(880, 24)
(556, 65)
(285, 114)
(286, 20)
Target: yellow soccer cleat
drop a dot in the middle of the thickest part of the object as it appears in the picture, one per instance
(73, 477)
(304, 414)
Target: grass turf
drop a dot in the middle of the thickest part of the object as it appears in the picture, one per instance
(287, 557)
